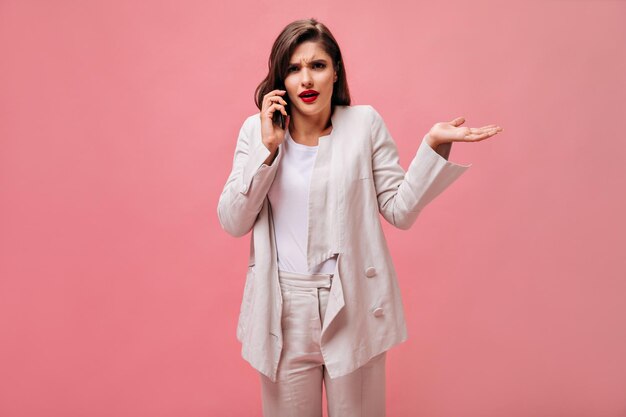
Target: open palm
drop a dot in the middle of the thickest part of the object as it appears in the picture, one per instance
(452, 131)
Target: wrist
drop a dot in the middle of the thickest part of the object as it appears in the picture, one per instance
(271, 146)
(273, 153)
(432, 142)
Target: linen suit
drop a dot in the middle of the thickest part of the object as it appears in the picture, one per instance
(356, 177)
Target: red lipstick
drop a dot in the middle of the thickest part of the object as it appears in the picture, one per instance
(309, 96)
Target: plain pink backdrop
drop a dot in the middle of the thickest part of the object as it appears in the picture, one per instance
(119, 291)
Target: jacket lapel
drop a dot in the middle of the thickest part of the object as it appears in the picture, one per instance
(324, 211)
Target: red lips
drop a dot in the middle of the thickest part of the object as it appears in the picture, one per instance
(308, 92)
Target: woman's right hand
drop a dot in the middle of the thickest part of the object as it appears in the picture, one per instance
(273, 135)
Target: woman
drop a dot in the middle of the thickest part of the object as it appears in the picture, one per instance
(321, 302)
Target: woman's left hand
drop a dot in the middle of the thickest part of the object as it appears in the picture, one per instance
(445, 132)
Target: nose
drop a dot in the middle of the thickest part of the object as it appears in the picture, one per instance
(306, 78)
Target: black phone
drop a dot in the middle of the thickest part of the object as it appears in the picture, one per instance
(279, 118)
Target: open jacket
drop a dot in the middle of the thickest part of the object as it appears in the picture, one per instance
(356, 176)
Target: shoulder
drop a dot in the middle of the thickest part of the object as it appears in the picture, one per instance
(251, 124)
(362, 114)
(364, 111)
(252, 120)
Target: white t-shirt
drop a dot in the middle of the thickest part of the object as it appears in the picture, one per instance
(289, 197)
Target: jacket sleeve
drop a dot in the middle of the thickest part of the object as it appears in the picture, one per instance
(248, 183)
(402, 195)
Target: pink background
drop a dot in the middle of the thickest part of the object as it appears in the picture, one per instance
(119, 291)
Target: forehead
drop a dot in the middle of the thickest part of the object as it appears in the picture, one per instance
(307, 52)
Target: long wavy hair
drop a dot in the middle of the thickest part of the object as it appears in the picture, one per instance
(295, 33)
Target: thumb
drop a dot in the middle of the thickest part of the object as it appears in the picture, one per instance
(287, 122)
(458, 121)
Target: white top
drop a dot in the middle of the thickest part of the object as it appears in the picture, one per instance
(289, 197)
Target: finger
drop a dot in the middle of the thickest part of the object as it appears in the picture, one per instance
(269, 112)
(458, 121)
(480, 136)
(496, 127)
(278, 99)
(279, 107)
(480, 130)
(274, 92)
(275, 101)
(272, 95)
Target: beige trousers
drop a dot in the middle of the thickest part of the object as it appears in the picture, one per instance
(297, 391)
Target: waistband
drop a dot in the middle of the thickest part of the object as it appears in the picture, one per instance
(305, 280)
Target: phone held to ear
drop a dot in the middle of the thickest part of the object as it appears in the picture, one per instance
(279, 118)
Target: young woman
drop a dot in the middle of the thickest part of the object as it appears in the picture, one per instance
(321, 302)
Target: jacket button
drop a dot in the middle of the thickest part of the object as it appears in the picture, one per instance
(244, 188)
(370, 272)
(378, 312)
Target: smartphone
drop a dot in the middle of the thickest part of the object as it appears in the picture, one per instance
(279, 118)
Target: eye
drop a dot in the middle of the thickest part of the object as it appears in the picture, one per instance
(315, 65)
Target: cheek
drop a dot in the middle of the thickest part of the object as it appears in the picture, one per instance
(290, 86)
(291, 92)
(330, 81)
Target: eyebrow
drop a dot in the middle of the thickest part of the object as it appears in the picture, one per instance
(312, 61)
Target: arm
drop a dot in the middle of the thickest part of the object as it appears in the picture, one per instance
(248, 183)
(402, 195)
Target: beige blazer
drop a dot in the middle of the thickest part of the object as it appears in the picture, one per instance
(356, 176)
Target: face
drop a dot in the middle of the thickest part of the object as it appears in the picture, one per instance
(310, 68)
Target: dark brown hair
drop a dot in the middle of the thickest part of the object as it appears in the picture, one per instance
(295, 33)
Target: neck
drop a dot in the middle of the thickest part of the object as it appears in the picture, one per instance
(310, 128)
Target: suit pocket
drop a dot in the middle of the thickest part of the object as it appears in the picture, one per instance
(363, 175)
(246, 303)
(361, 198)
(361, 184)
